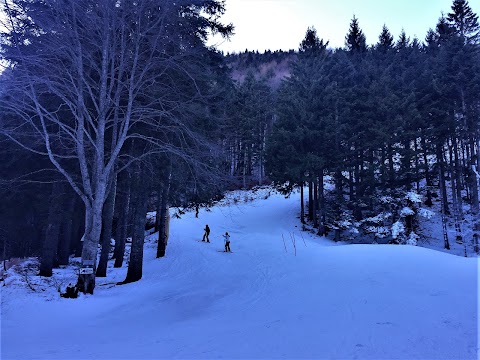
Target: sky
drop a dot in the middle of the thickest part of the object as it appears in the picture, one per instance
(268, 299)
(281, 24)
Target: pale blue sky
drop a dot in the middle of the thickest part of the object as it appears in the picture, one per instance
(281, 24)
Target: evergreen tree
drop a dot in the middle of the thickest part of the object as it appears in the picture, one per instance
(311, 43)
(403, 40)
(249, 119)
(465, 21)
(385, 40)
(355, 39)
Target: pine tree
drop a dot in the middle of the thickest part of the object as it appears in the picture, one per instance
(463, 73)
(385, 40)
(250, 116)
(355, 40)
(465, 21)
(311, 43)
(403, 40)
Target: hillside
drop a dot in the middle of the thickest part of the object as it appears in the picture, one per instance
(265, 300)
(270, 66)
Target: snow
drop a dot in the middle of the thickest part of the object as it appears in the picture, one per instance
(413, 197)
(428, 214)
(397, 229)
(406, 211)
(412, 239)
(379, 231)
(281, 294)
(379, 218)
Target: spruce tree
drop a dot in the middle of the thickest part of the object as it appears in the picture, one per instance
(465, 21)
(355, 39)
(385, 40)
(311, 43)
(403, 40)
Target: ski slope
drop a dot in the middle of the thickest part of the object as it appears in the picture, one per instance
(263, 301)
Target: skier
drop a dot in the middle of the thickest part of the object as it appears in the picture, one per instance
(226, 238)
(207, 232)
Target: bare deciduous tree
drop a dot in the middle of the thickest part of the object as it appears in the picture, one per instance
(86, 75)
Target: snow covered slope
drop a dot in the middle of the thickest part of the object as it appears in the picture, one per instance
(262, 301)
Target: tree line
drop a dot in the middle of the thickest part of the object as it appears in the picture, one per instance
(384, 122)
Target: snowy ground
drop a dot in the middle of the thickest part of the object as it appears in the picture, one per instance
(262, 301)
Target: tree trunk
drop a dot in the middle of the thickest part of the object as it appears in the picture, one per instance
(478, 153)
(163, 232)
(233, 158)
(443, 199)
(358, 181)
(407, 164)
(244, 170)
(302, 205)
(371, 175)
(135, 265)
(474, 181)
(445, 232)
(107, 221)
(67, 231)
(425, 160)
(417, 173)
(456, 201)
(391, 168)
(321, 208)
(315, 204)
(339, 196)
(350, 185)
(164, 217)
(122, 224)
(458, 174)
(93, 229)
(464, 165)
(456, 214)
(383, 169)
(357, 211)
(310, 201)
(261, 155)
(443, 187)
(52, 232)
(158, 209)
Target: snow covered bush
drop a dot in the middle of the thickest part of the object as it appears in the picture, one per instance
(383, 215)
(412, 239)
(397, 229)
(344, 223)
(376, 225)
(406, 211)
(396, 219)
(425, 213)
(403, 230)
(413, 197)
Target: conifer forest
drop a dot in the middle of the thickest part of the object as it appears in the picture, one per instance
(110, 110)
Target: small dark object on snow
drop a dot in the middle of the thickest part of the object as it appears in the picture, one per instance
(71, 292)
